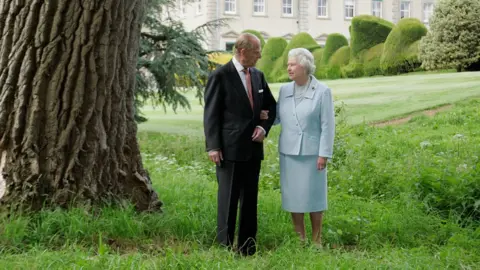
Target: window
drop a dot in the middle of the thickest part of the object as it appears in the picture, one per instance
(182, 8)
(287, 9)
(322, 8)
(349, 9)
(229, 46)
(427, 12)
(377, 8)
(199, 7)
(259, 7)
(230, 6)
(405, 9)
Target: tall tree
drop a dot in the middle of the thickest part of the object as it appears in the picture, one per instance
(67, 80)
(172, 59)
(454, 37)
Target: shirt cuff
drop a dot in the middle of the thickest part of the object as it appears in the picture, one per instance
(260, 127)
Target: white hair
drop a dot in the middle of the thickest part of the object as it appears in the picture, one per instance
(303, 57)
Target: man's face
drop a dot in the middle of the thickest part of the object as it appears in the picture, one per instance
(250, 56)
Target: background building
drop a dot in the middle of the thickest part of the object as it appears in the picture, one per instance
(285, 18)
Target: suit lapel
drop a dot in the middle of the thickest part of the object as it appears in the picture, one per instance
(238, 85)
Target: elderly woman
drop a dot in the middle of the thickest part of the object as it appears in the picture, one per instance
(305, 111)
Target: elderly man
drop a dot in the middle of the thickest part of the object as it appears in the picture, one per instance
(234, 96)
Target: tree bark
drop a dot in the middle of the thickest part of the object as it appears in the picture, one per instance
(67, 129)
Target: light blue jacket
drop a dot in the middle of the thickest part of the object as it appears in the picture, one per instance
(309, 127)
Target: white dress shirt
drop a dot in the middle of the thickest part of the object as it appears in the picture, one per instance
(243, 77)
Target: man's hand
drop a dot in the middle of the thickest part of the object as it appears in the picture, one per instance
(215, 156)
(258, 135)
(264, 115)
(321, 163)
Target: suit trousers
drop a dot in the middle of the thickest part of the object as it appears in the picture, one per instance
(238, 183)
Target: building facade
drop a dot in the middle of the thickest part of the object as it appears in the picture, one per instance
(285, 18)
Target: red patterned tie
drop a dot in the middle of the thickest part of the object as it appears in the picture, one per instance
(249, 86)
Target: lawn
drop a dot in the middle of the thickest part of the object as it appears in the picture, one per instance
(366, 99)
(400, 197)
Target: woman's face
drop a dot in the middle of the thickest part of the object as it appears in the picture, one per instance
(295, 70)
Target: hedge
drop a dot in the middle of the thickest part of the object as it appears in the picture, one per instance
(400, 53)
(317, 56)
(368, 31)
(334, 42)
(340, 58)
(272, 51)
(371, 60)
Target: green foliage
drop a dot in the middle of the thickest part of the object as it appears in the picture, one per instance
(341, 57)
(371, 60)
(353, 70)
(454, 37)
(400, 50)
(272, 51)
(334, 42)
(368, 31)
(395, 194)
(320, 68)
(171, 60)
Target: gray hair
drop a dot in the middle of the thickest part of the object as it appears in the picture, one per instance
(305, 58)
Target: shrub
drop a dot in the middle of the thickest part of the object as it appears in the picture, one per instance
(368, 31)
(400, 50)
(340, 58)
(371, 60)
(353, 70)
(320, 68)
(333, 72)
(272, 51)
(334, 42)
(454, 37)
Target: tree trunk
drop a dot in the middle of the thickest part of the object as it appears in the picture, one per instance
(67, 129)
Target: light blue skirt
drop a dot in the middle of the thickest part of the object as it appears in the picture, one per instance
(303, 187)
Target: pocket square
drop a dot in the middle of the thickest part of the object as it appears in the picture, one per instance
(260, 91)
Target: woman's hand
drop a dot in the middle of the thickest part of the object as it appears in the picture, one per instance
(264, 115)
(321, 163)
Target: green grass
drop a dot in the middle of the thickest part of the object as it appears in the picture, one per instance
(366, 99)
(403, 197)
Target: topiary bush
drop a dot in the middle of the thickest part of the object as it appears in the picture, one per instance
(334, 42)
(320, 68)
(353, 70)
(272, 51)
(368, 31)
(401, 49)
(340, 58)
(371, 60)
(454, 37)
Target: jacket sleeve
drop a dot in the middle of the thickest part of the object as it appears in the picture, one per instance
(212, 113)
(277, 117)
(269, 104)
(327, 122)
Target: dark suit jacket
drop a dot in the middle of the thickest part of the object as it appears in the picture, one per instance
(229, 121)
